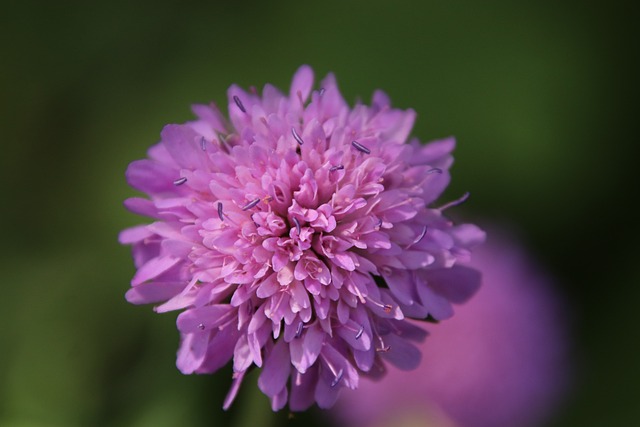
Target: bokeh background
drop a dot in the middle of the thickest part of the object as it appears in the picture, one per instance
(540, 95)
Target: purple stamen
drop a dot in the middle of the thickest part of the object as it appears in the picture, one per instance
(321, 91)
(296, 136)
(239, 103)
(201, 326)
(360, 147)
(457, 202)
(202, 144)
(435, 170)
(336, 168)
(250, 204)
(295, 221)
(299, 330)
(337, 379)
(180, 181)
(220, 213)
(359, 334)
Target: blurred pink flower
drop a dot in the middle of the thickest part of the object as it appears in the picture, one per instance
(297, 238)
(500, 361)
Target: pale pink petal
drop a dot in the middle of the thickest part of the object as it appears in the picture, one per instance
(152, 292)
(151, 177)
(134, 234)
(153, 268)
(302, 83)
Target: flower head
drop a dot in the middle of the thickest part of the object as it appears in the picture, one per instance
(297, 238)
(500, 362)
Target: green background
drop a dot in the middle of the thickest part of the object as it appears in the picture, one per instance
(540, 95)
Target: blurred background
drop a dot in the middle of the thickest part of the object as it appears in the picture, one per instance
(540, 95)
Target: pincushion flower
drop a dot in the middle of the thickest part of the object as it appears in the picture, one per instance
(297, 237)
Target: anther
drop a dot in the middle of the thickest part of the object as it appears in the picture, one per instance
(296, 136)
(299, 330)
(336, 168)
(321, 91)
(220, 213)
(420, 237)
(180, 181)
(250, 204)
(359, 334)
(337, 379)
(360, 147)
(203, 144)
(295, 221)
(435, 170)
(201, 326)
(239, 103)
(387, 308)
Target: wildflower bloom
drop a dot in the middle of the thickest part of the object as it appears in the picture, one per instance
(500, 362)
(297, 238)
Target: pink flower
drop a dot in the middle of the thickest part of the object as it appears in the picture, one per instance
(297, 238)
(500, 362)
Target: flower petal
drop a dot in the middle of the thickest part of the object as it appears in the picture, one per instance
(134, 234)
(457, 284)
(402, 354)
(192, 352)
(275, 372)
(152, 292)
(304, 351)
(302, 83)
(220, 350)
(183, 144)
(153, 268)
(303, 390)
(151, 177)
